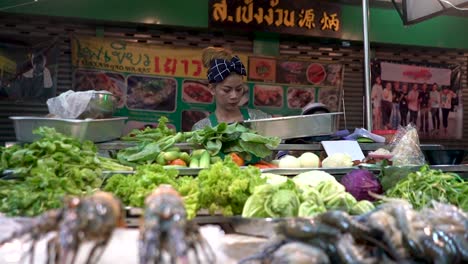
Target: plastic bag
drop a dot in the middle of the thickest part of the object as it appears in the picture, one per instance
(69, 104)
(405, 147)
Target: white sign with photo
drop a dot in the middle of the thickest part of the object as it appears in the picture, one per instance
(415, 74)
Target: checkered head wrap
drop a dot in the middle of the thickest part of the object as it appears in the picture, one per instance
(220, 69)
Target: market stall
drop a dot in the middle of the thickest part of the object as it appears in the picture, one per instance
(117, 154)
(228, 176)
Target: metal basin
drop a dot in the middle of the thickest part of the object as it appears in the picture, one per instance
(102, 105)
(296, 126)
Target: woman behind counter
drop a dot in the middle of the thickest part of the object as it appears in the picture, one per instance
(225, 77)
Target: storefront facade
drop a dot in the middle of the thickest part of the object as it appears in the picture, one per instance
(167, 23)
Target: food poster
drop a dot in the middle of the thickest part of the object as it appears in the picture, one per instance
(151, 81)
(297, 83)
(28, 72)
(427, 95)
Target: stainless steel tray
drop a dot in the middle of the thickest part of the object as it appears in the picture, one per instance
(260, 227)
(296, 126)
(96, 130)
(294, 171)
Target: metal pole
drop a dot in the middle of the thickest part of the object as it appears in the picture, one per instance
(367, 77)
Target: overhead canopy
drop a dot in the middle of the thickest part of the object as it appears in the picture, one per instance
(414, 11)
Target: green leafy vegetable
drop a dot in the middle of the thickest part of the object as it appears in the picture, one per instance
(224, 139)
(273, 200)
(133, 189)
(151, 134)
(226, 187)
(47, 170)
(425, 185)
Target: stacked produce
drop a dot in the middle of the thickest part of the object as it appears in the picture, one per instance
(157, 145)
(306, 194)
(47, 170)
(223, 188)
(311, 160)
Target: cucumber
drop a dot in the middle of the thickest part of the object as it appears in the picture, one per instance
(160, 159)
(197, 153)
(171, 155)
(205, 160)
(185, 157)
(173, 149)
(194, 163)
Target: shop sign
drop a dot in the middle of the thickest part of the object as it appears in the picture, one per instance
(122, 56)
(301, 17)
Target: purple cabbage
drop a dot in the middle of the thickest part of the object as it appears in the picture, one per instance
(360, 182)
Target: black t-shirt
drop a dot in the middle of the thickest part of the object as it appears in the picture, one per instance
(424, 97)
(396, 96)
(404, 99)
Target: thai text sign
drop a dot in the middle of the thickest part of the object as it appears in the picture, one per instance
(122, 56)
(314, 18)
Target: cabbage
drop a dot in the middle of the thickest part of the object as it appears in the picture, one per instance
(362, 207)
(282, 203)
(312, 178)
(360, 182)
(309, 160)
(338, 160)
(289, 161)
(311, 208)
(274, 178)
(273, 200)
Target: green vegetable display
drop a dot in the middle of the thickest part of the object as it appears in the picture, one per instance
(303, 196)
(47, 170)
(425, 185)
(151, 134)
(225, 187)
(224, 138)
(218, 141)
(273, 200)
(133, 189)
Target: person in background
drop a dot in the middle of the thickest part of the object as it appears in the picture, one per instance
(396, 117)
(376, 95)
(413, 105)
(446, 105)
(424, 106)
(404, 104)
(225, 77)
(387, 98)
(37, 82)
(435, 105)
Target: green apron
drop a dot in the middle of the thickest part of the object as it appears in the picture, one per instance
(245, 115)
(214, 120)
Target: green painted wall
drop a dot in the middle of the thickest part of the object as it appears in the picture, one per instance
(385, 24)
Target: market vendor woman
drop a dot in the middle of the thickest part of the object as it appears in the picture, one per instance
(225, 77)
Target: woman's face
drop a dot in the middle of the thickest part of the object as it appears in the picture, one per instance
(228, 93)
(377, 80)
(415, 87)
(404, 88)
(435, 88)
(388, 86)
